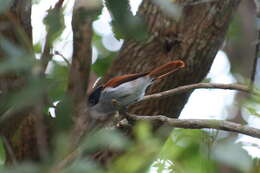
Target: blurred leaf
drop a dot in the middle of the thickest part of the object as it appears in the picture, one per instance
(125, 24)
(58, 77)
(235, 32)
(23, 168)
(143, 131)
(105, 138)
(36, 1)
(140, 156)
(37, 47)
(54, 22)
(61, 147)
(83, 166)
(17, 59)
(2, 153)
(187, 151)
(28, 95)
(63, 120)
(170, 8)
(252, 111)
(102, 64)
(5, 5)
(226, 151)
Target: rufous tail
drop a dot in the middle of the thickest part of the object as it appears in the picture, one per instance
(166, 69)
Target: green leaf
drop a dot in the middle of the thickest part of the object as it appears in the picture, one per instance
(102, 64)
(140, 156)
(37, 47)
(28, 95)
(54, 22)
(252, 111)
(2, 153)
(125, 24)
(105, 138)
(58, 77)
(5, 5)
(16, 59)
(227, 150)
(63, 120)
(143, 131)
(188, 152)
(83, 166)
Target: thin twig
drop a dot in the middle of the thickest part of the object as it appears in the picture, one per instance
(186, 88)
(63, 57)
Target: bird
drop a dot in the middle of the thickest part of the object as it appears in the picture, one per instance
(128, 89)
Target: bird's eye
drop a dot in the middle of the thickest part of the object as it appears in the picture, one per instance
(94, 97)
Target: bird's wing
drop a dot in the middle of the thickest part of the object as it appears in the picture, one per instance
(166, 69)
(122, 79)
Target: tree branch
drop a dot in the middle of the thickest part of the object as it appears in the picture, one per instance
(84, 12)
(186, 88)
(200, 124)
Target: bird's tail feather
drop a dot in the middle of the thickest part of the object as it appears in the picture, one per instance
(166, 69)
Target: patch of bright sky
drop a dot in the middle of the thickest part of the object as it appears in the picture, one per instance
(203, 103)
(250, 144)
(209, 103)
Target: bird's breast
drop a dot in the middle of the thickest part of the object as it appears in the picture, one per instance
(126, 93)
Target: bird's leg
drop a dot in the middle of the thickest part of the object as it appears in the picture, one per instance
(123, 111)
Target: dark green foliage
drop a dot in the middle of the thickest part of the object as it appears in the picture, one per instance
(125, 24)
(5, 4)
(54, 23)
(2, 153)
(105, 57)
(102, 64)
(63, 120)
(16, 59)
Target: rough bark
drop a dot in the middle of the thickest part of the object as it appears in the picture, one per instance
(195, 39)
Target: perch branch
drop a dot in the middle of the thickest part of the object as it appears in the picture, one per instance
(186, 88)
(200, 124)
